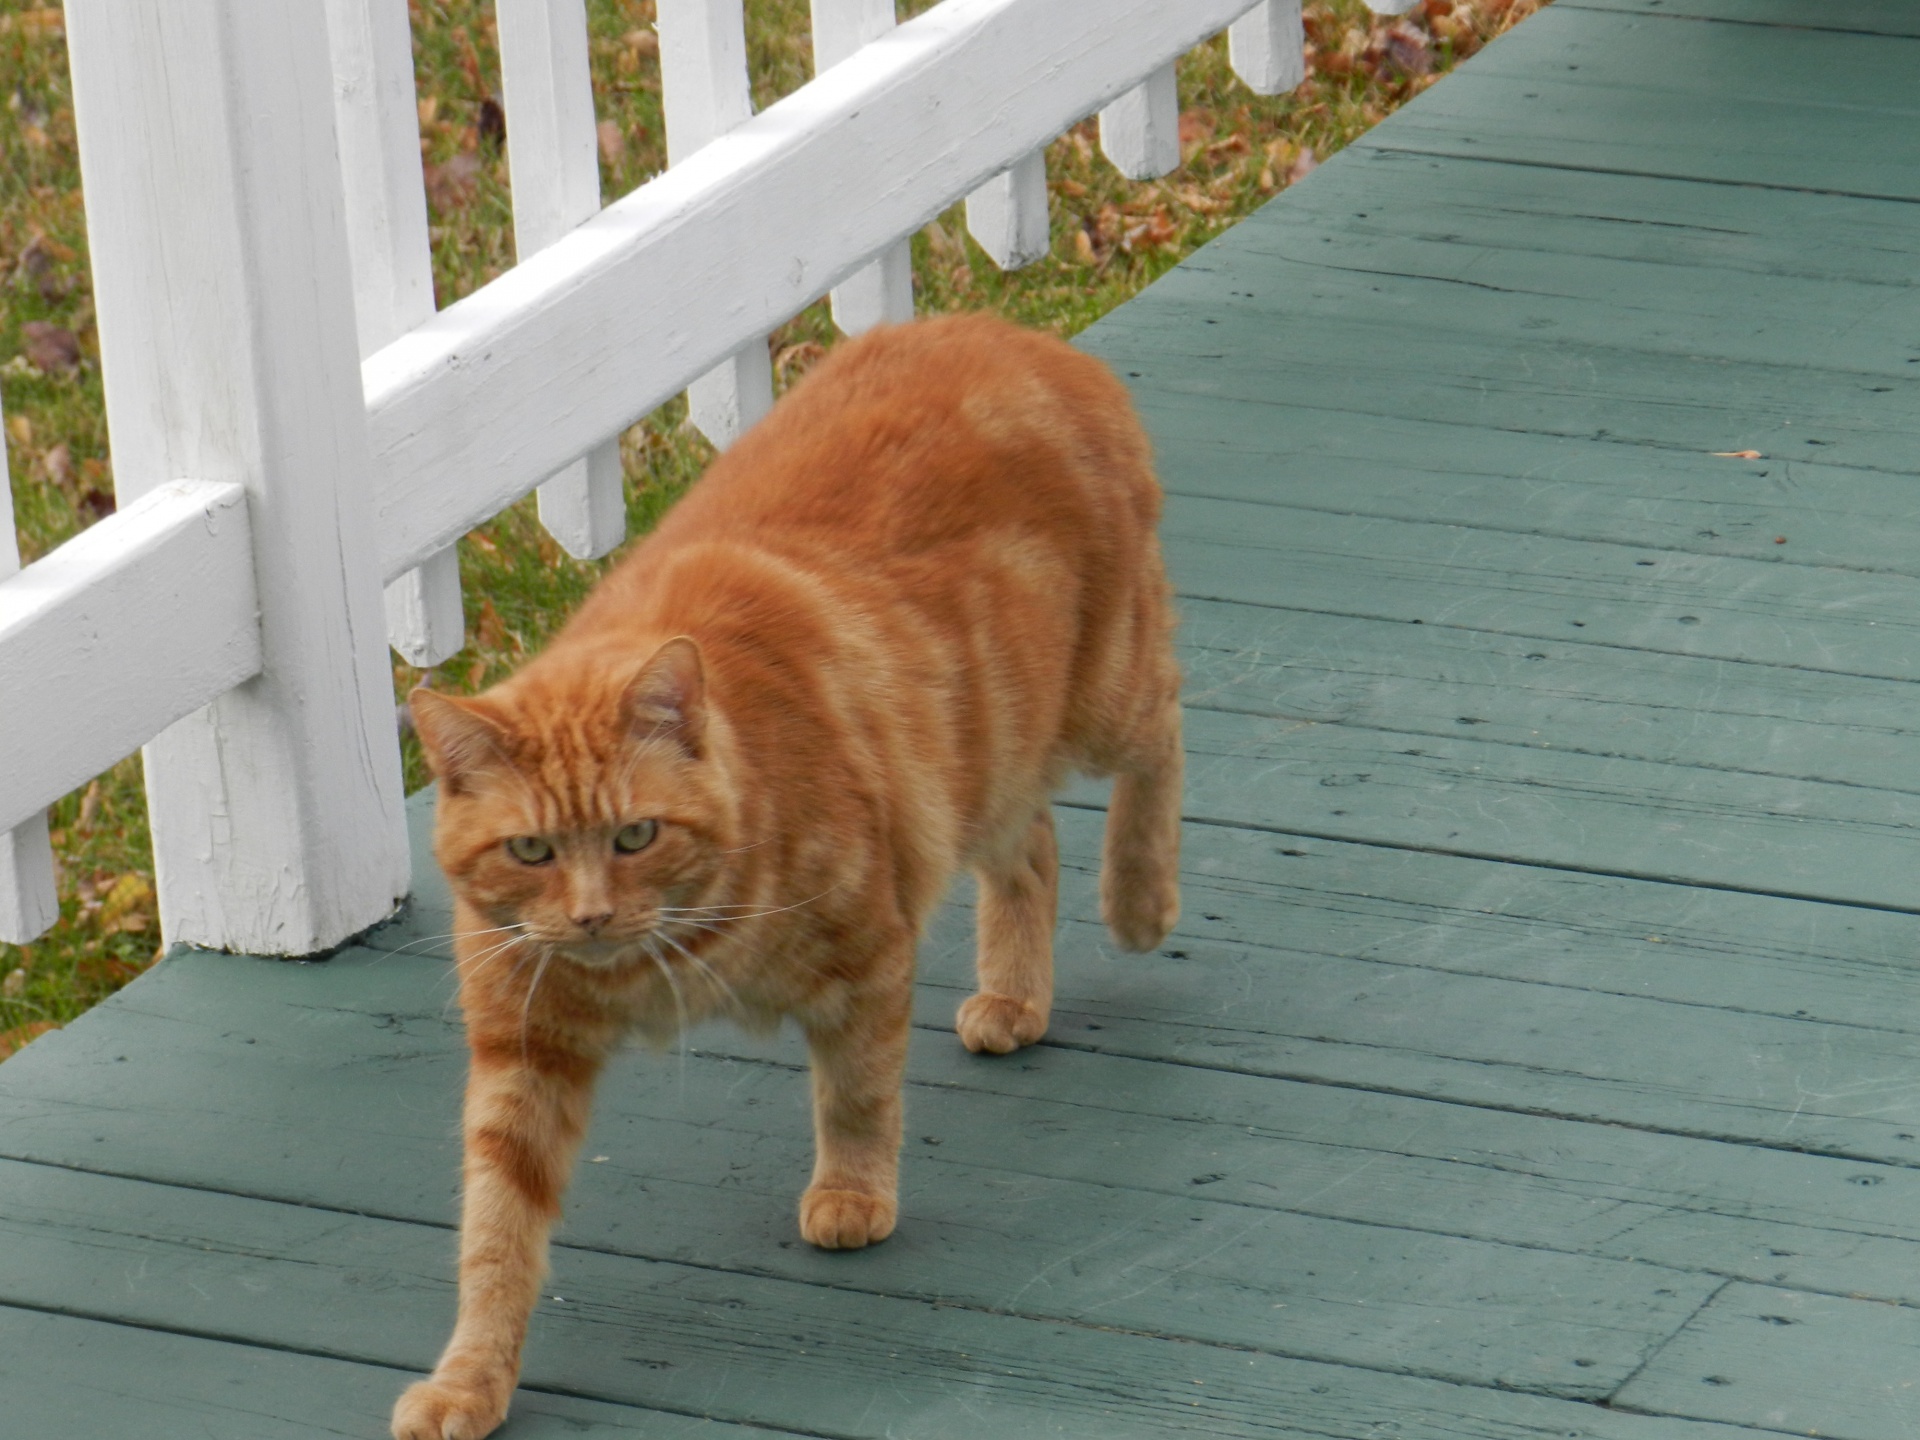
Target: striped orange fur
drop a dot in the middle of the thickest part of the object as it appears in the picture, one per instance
(860, 656)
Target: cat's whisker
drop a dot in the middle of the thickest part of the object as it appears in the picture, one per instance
(679, 1005)
(474, 964)
(449, 935)
(526, 1007)
(704, 968)
(707, 911)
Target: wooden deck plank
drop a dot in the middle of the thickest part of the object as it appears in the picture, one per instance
(1300, 929)
(1770, 105)
(1868, 17)
(1206, 1272)
(63, 1375)
(1796, 1363)
(1686, 1203)
(671, 1128)
(1357, 462)
(1726, 607)
(1442, 680)
(672, 1133)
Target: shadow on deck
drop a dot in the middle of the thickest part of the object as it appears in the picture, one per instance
(1540, 1053)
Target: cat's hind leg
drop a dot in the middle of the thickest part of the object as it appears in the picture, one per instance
(1019, 899)
(1140, 859)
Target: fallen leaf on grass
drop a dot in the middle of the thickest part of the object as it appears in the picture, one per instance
(453, 185)
(491, 631)
(96, 503)
(57, 464)
(1739, 455)
(793, 361)
(613, 142)
(1196, 126)
(37, 265)
(122, 909)
(1406, 49)
(50, 347)
(492, 123)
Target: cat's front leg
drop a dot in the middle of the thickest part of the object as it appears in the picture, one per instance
(526, 1111)
(859, 1066)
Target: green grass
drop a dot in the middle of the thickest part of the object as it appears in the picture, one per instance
(1110, 238)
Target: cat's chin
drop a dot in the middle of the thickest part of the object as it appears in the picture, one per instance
(602, 954)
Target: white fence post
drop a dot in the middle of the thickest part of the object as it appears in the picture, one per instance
(1140, 131)
(29, 901)
(1264, 47)
(882, 292)
(376, 113)
(215, 217)
(552, 155)
(705, 93)
(1008, 214)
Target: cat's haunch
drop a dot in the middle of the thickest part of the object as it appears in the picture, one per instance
(860, 656)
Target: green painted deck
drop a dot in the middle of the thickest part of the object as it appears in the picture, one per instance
(1540, 1053)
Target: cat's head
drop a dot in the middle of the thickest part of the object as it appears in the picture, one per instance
(581, 801)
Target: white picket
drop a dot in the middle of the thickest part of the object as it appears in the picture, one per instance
(377, 117)
(1008, 214)
(29, 900)
(553, 157)
(215, 214)
(29, 888)
(494, 391)
(1264, 47)
(882, 292)
(705, 93)
(1140, 132)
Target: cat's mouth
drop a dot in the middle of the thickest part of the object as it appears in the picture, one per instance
(602, 952)
(654, 945)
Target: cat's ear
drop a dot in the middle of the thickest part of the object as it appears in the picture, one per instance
(459, 738)
(668, 698)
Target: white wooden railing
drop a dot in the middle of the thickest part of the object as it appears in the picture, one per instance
(294, 428)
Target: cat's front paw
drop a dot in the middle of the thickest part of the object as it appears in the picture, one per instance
(443, 1410)
(996, 1023)
(845, 1219)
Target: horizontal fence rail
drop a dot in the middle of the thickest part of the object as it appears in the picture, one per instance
(469, 411)
(127, 627)
(226, 249)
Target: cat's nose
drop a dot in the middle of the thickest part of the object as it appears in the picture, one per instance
(592, 923)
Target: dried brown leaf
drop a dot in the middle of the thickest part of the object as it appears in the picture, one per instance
(1196, 126)
(613, 143)
(1406, 49)
(452, 186)
(491, 124)
(50, 347)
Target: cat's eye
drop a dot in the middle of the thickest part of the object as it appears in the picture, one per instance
(530, 849)
(636, 836)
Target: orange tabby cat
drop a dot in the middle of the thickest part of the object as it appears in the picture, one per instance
(860, 655)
